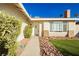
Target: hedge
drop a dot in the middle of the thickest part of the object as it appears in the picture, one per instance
(9, 30)
(27, 31)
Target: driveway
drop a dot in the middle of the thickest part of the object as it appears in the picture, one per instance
(32, 48)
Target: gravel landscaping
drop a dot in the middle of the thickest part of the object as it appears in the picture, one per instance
(47, 49)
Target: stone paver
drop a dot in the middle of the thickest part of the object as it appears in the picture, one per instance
(32, 48)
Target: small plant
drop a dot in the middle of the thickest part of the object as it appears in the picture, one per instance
(61, 15)
(9, 30)
(76, 15)
(27, 31)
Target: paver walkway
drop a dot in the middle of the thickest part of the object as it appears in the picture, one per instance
(32, 48)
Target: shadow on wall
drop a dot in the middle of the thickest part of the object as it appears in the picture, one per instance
(77, 35)
(67, 34)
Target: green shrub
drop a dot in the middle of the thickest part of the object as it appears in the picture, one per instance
(9, 30)
(27, 31)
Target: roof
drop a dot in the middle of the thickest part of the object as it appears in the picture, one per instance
(21, 8)
(50, 19)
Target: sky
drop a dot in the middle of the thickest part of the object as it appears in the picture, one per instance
(50, 10)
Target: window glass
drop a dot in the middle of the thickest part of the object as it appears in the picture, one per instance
(58, 26)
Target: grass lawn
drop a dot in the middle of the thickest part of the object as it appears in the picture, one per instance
(67, 47)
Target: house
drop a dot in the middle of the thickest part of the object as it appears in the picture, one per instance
(47, 27)
(55, 27)
(16, 9)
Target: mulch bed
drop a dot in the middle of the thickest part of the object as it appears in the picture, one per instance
(47, 49)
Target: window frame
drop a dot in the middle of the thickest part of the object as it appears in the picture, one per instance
(63, 23)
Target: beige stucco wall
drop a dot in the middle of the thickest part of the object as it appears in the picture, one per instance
(71, 29)
(46, 26)
(76, 29)
(14, 11)
(46, 29)
(58, 34)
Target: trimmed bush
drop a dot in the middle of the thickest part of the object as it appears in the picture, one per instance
(9, 30)
(27, 31)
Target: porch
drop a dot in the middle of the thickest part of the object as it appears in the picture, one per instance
(56, 30)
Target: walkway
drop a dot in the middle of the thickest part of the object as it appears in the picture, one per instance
(32, 48)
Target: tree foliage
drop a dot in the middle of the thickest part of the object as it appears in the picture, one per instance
(27, 31)
(9, 30)
(76, 15)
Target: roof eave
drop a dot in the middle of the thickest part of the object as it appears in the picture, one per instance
(49, 19)
(22, 9)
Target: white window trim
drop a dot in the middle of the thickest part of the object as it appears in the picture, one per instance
(59, 30)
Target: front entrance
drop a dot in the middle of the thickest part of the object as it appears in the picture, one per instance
(36, 30)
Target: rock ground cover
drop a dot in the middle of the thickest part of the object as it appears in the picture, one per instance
(46, 49)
